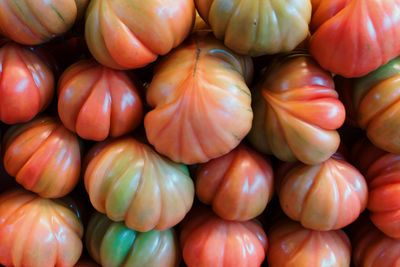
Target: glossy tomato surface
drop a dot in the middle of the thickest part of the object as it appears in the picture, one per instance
(127, 180)
(257, 27)
(296, 111)
(202, 105)
(43, 156)
(112, 244)
(203, 235)
(96, 102)
(38, 232)
(353, 38)
(35, 22)
(127, 34)
(238, 185)
(26, 86)
(291, 245)
(326, 196)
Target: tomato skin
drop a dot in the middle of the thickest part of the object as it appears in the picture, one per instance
(112, 244)
(353, 38)
(382, 171)
(208, 240)
(291, 245)
(33, 22)
(96, 102)
(43, 156)
(127, 180)
(199, 90)
(127, 34)
(25, 79)
(296, 111)
(37, 232)
(238, 185)
(257, 27)
(323, 197)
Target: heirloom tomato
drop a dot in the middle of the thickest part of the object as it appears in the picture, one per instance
(353, 38)
(96, 102)
(127, 180)
(326, 196)
(34, 22)
(38, 232)
(257, 27)
(238, 185)
(27, 84)
(202, 105)
(291, 245)
(208, 240)
(382, 172)
(112, 244)
(43, 156)
(377, 105)
(127, 34)
(296, 111)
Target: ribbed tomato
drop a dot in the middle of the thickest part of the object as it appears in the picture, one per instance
(238, 185)
(112, 244)
(326, 196)
(43, 156)
(297, 111)
(96, 102)
(202, 105)
(291, 245)
(127, 34)
(353, 38)
(26, 86)
(208, 240)
(257, 27)
(34, 22)
(382, 171)
(38, 232)
(127, 180)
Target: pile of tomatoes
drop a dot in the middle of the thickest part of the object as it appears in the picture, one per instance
(200, 133)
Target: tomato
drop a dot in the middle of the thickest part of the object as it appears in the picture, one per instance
(375, 99)
(127, 34)
(38, 232)
(238, 185)
(27, 84)
(43, 156)
(96, 102)
(257, 27)
(296, 111)
(112, 244)
(208, 240)
(326, 196)
(34, 22)
(382, 171)
(353, 38)
(202, 105)
(291, 245)
(127, 180)
(372, 248)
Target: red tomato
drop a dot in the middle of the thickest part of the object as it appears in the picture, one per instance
(202, 105)
(353, 38)
(326, 196)
(296, 111)
(27, 84)
(96, 102)
(291, 245)
(208, 240)
(43, 156)
(130, 34)
(238, 185)
(38, 232)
